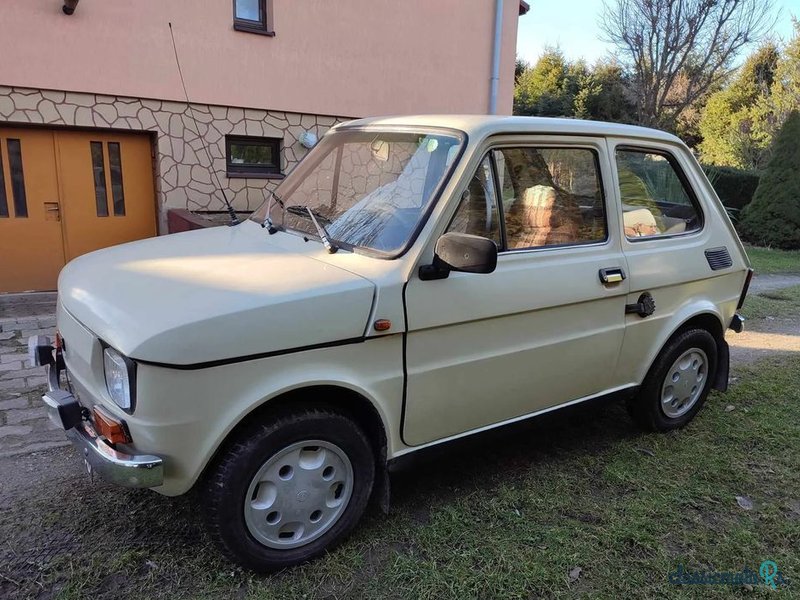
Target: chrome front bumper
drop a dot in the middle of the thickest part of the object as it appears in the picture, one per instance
(127, 470)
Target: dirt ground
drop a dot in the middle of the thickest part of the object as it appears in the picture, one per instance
(776, 336)
(772, 331)
(769, 281)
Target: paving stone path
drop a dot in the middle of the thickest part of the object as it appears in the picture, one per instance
(24, 426)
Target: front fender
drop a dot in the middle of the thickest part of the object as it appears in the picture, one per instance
(185, 416)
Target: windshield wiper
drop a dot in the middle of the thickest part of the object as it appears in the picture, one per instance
(302, 210)
(268, 219)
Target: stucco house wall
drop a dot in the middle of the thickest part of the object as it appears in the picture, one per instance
(345, 57)
(111, 65)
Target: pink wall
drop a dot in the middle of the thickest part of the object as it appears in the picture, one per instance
(339, 57)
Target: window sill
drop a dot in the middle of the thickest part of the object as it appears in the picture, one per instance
(231, 175)
(253, 29)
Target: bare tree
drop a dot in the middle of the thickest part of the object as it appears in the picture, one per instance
(679, 50)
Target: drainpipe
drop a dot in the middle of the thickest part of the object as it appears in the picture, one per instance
(498, 37)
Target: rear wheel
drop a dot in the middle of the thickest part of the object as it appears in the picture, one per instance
(678, 383)
(287, 491)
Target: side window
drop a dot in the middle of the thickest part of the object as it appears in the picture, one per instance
(551, 196)
(253, 16)
(477, 212)
(655, 200)
(252, 157)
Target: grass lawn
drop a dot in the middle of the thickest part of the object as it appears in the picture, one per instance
(776, 303)
(577, 503)
(769, 260)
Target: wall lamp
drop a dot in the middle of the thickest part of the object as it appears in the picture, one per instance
(308, 139)
(69, 6)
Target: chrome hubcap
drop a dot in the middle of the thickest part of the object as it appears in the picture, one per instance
(684, 383)
(298, 494)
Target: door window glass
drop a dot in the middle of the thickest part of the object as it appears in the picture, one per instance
(3, 199)
(17, 178)
(99, 175)
(655, 199)
(114, 168)
(117, 192)
(551, 197)
(478, 213)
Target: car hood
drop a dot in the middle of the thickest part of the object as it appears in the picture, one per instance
(213, 295)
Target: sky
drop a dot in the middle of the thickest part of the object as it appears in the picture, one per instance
(573, 26)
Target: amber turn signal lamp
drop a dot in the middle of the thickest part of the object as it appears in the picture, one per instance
(382, 325)
(110, 428)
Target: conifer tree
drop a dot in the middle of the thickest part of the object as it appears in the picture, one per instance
(773, 217)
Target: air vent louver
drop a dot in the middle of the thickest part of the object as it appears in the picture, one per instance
(718, 258)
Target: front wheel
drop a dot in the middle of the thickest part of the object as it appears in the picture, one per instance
(287, 491)
(678, 383)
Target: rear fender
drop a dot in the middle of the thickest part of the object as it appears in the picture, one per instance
(679, 320)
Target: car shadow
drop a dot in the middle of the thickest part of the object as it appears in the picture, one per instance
(483, 461)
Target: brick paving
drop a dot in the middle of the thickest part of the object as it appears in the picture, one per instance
(24, 426)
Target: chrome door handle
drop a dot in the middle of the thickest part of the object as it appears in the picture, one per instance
(52, 208)
(611, 275)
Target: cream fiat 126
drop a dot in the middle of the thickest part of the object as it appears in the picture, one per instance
(412, 281)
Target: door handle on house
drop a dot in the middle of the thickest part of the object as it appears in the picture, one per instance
(611, 275)
(52, 211)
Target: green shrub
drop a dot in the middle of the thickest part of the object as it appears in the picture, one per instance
(773, 217)
(733, 186)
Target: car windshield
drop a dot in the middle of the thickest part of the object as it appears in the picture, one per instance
(367, 189)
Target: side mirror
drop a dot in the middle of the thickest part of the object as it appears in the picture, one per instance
(460, 252)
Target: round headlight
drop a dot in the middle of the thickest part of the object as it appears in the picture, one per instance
(118, 377)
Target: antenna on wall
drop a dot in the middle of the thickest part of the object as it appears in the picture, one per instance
(231, 212)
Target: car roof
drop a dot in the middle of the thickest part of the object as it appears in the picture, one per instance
(480, 126)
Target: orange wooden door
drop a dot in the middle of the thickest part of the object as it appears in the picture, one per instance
(107, 183)
(31, 249)
(64, 193)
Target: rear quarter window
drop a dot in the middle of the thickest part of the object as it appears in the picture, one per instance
(656, 197)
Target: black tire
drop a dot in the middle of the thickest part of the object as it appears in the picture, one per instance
(227, 483)
(646, 408)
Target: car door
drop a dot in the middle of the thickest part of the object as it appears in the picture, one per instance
(543, 329)
(674, 253)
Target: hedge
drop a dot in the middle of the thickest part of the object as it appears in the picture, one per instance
(733, 186)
